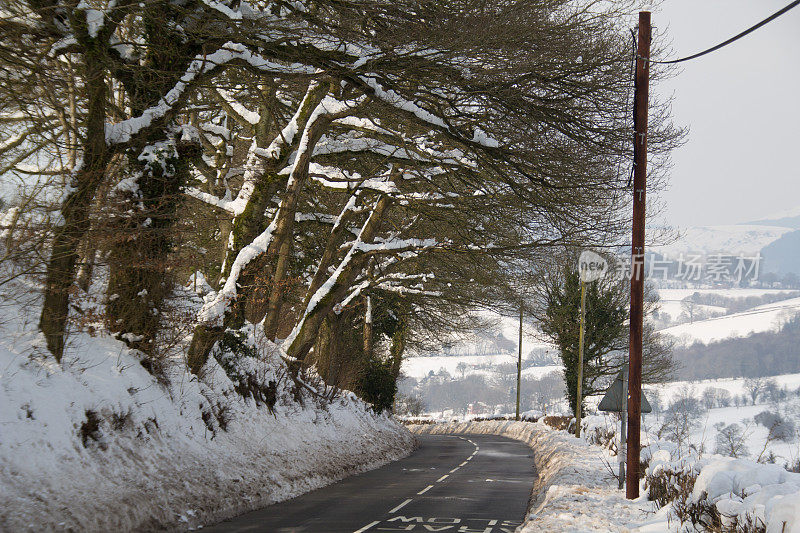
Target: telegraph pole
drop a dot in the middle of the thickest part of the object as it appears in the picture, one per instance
(637, 254)
(519, 359)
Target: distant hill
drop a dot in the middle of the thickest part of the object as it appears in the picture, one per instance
(786, 219)
(792, 222)
(776, 237)
(782, 255)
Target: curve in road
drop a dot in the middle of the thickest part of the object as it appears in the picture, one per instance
(475, 483)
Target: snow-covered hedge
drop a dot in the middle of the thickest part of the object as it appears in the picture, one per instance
(724, 491)
(98, 444)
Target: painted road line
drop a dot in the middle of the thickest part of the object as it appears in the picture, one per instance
(426, 489)
(375, 523)
(462, 464)
(400, 506)
(442, 478)
(456, 468)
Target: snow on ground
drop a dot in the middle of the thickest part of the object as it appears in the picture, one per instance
(704, 434)
(538, 372)
(98, 444)
(674, 308)
(735, 386)
(766, 317)
(418, 367)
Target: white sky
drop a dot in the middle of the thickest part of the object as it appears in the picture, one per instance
(742, 107)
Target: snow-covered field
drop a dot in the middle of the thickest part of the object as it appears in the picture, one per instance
(674, 308)
(418, 367)
(768, 317)
(99, 444)
(680, 294)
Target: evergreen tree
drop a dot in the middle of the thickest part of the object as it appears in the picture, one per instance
(606, 334)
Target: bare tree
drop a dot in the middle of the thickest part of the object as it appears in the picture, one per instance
(755, 387)
(731, 440)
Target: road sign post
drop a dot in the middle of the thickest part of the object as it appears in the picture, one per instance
(519, 360)
(615, 400)
(579, 397)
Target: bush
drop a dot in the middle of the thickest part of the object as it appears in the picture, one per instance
(234, 347)
(667, 485)
(408, 405)
(90, 428)
(779, 428)
(376, 385)
(560, 422)
(601, 436)
(730, 440)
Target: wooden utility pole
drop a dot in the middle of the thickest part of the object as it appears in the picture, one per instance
(637, 254)
(519, 359)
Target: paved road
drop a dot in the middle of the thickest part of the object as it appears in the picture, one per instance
(468, 484)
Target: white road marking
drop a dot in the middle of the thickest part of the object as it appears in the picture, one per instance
(442, 478)
(375, 523)
(426, 489)
(453, 470)
(400, 506)
(462, 464)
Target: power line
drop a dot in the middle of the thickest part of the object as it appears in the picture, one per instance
(732, 39)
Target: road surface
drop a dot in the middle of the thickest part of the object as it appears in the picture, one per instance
(454, 484)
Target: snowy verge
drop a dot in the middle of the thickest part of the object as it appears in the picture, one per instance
(574, 491)
(97, 443)
(733, 493)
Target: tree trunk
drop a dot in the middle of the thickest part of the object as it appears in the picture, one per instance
(368, 329)
(281, 241)
(302, 338)
(246, 227)
(398, 347)
(140, 274)
(61, 266)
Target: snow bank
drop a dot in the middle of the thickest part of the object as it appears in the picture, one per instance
(741, 490)
(98, 444)
(575, 490)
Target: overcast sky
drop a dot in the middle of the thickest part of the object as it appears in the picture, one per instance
(741, 160)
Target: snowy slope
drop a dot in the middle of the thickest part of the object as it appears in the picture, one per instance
(734, 239)
(762, 318)
(789, 218)
(98, 444)
(674, 308)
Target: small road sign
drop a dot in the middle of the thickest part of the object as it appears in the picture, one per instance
(615, 395)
